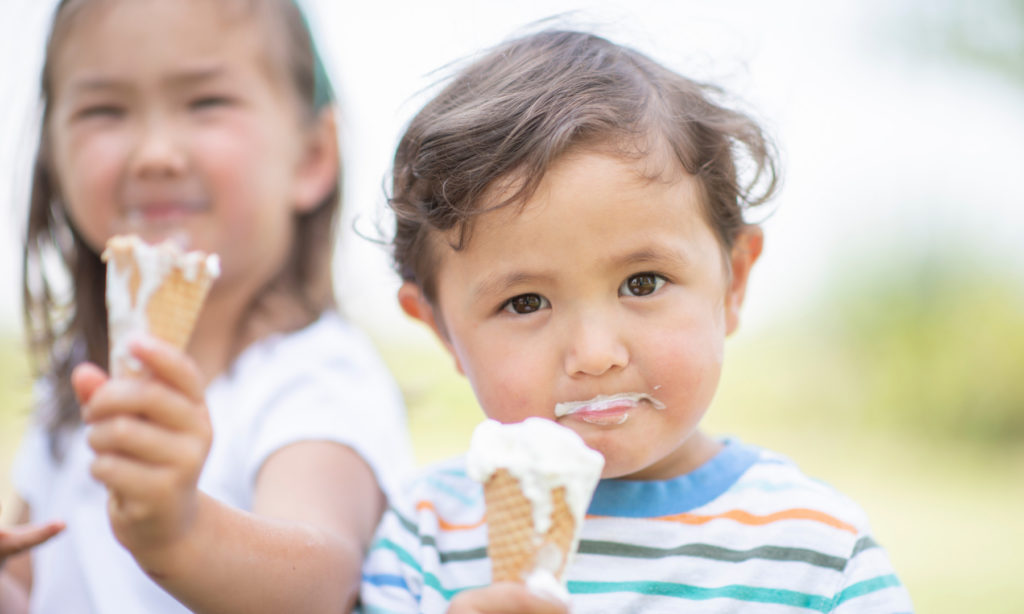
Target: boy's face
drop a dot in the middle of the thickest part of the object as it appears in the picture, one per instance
(608, 281)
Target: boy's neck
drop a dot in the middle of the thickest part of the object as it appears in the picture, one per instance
(696, 450)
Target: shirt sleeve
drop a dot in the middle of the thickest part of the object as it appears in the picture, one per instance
(392, 573)
(869, 584)
(354, 406)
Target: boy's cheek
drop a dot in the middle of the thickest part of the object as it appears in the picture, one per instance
(511, 390)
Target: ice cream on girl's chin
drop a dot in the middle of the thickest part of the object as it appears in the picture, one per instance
(152, 289)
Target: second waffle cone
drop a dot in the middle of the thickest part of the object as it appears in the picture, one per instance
(514, 544)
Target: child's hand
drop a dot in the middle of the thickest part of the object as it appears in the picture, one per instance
(16, 540)
(504, 598)
(151, 437)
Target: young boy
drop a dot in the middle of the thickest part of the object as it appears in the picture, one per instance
(570, 224)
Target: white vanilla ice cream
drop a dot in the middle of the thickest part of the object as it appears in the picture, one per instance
(126, 314)
(543, 456)
(602, 401)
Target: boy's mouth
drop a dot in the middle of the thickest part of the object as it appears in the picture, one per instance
(607, 410)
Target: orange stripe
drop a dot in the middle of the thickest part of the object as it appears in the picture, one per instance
(441, 522)
(750, 519)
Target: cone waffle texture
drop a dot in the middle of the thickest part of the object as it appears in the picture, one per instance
(173, 307)
(514, 544)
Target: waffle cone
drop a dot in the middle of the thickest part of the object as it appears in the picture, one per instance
(514, 545)
(172, 308)
(175, 305)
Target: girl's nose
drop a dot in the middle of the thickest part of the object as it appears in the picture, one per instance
(596, 347)
(158, 154)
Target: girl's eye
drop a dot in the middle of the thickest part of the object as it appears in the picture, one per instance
(526, 303)
(642, 284)
(209, 102)
(106, 110)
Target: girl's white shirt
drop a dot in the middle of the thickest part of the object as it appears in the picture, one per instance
(325, 382)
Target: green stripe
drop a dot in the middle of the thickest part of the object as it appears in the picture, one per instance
(405, 557)
(430, 541)
(698, 593)
(462, 555)
(866, 587)
(409, 525)
(707, 551)
(864, 543)
(429, 579)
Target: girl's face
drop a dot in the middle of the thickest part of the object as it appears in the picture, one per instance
(170, 119)
(608, 282)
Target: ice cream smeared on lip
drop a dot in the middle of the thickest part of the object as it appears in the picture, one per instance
(604, 409)
(543, 457)
(136, 272)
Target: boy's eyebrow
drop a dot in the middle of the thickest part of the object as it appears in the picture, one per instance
(502, 283)
(652, 253)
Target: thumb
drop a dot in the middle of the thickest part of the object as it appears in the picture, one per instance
(85, 379)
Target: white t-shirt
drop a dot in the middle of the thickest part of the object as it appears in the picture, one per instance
(325, 382)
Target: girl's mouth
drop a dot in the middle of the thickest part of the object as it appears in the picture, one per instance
(607, 410)
(162, 213)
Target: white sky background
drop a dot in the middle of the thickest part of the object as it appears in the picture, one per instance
(879, 147)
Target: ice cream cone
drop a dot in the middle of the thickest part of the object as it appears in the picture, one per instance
(155, 289)
(514, 545)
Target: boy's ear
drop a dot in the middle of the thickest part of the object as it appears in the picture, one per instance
(320, 165)
(745, 252)
(416, 305)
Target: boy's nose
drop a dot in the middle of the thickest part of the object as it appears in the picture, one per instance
(595, 348)
(157, 155)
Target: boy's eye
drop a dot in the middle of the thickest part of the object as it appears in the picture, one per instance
(526, 303)
(642, 284)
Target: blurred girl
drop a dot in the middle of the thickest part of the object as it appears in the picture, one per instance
(207, 121)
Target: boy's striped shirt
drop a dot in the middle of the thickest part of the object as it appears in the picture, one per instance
(747, 531)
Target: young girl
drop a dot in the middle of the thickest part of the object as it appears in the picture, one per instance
(206, 122)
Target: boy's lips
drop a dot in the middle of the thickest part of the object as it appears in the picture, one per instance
(606, 410)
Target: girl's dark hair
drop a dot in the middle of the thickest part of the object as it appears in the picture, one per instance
(64, 282)
(508, 116)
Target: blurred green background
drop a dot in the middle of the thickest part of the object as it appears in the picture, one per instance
(899, 377)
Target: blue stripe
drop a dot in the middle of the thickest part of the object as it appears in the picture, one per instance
(386, 580)
(698, 593)
(638, 499)
(467, 500)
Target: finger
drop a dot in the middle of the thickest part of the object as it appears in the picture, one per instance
(169, 364)
(85, 379)
(507, 598)
(22, 538)
(137, 485)
(146, 442)
(147, 399)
